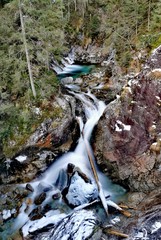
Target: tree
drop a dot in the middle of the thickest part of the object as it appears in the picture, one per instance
(156, 16)
(26, 51)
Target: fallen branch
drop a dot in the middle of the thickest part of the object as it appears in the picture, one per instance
(91, 160)
(116, 233)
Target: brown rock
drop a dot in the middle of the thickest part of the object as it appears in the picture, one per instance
(40, 198)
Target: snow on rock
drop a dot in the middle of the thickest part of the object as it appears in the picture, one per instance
(81, 192)
(51, 217)
(156, 226)
(21, 158)
(37, 111)
(156, 70)
(119, 126)
(78, 226)
(6, 214)
(115, 220)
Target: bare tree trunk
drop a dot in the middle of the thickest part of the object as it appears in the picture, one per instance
(75, 4)
(149, 11)
(26, 51)
(136, 20)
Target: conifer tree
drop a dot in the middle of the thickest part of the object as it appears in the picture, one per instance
(26, 51)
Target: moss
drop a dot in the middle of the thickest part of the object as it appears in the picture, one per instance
(157, 42)
(26, 121)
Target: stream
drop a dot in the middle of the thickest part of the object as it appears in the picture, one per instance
(68, 184)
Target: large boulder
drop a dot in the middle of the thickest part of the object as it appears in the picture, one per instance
(127, 141)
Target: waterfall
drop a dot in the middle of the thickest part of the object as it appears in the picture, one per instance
(93, 109)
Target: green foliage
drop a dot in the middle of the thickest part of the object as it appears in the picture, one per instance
(156, 16)
(50, 26)
(44, 27)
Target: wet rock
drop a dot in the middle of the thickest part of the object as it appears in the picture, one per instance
(29, 187)
(56, 196)
(1, 219)
(40, 198)
(136, 198)
(70, 169)
(36, 214)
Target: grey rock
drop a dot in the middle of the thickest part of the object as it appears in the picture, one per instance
(67, 80)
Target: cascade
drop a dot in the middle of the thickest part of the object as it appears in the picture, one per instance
(54, 180)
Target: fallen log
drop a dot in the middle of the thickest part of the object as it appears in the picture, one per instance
(115, 232)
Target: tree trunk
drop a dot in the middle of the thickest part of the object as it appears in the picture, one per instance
(26, 51)
(149, 11)
(136, 19)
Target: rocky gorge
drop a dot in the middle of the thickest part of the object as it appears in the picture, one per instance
(126, 143)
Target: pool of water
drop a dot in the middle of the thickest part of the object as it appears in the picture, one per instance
(75, 71)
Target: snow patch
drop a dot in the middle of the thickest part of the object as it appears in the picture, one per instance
(115, 220)
(155, 227)
(37, 111)
(154, 144)
(100, 86)
(119, 126)
(128, 89)
(8, 213)
(21, 158)
(156, 70)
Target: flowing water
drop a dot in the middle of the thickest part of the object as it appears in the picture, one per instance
(93, 109)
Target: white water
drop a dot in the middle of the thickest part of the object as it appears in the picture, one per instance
(93, 109)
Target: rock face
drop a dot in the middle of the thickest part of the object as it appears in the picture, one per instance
(128, 137)
(52, 138)
(90, 54)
